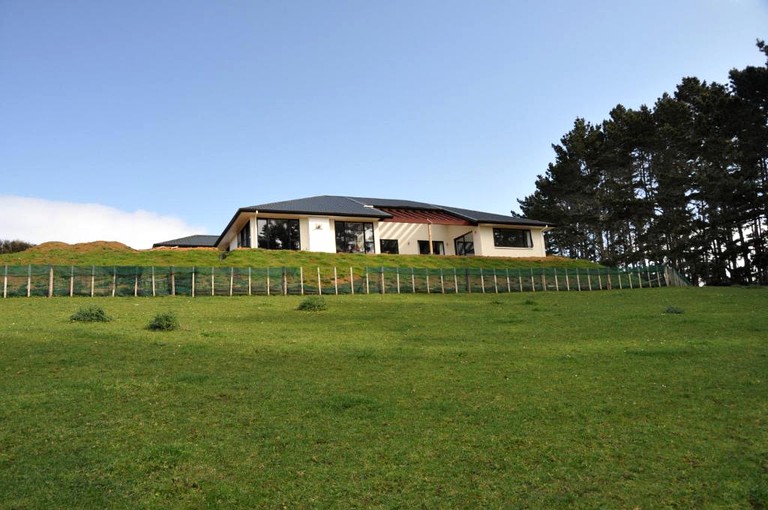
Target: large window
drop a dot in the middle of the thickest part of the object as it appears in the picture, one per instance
(354, 237)
(465, 244)
(244, 237)
(390, 246)
(438, 248)
(277, 234)
(512, 238)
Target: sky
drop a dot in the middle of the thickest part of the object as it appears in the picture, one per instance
(149, 120)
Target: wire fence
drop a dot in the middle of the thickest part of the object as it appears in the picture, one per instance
(102, 281)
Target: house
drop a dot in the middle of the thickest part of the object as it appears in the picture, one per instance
(197, 241)
(341, 224)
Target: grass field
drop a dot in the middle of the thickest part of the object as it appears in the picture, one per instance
(545, 400)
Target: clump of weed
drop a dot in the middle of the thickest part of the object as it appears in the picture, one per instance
(673, 310)
(312, 304)
(92, 313)
(166, 321)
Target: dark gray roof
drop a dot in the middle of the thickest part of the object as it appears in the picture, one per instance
(325, 204)
(196, 241)
(363, 207)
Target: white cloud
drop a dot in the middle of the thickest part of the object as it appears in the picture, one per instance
(37, 220)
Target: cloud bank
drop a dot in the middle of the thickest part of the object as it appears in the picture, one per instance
(37, 221)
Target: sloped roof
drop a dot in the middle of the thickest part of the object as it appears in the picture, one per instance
(325, 204)
(196, 241)
(364, 207)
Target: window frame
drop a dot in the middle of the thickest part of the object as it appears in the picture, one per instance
(244, 236)
(438, 247)
(293, 225)
(344, 240)
(389, 251)
(500, 240)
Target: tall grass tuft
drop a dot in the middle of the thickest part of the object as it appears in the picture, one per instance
(91, 313)
(164, 322)
(313, 304)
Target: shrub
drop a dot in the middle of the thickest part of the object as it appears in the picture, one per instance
(673, 309)
(92, 313)
(164, 322)
(313, 304)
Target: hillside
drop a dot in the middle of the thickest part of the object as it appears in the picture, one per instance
(104, 253)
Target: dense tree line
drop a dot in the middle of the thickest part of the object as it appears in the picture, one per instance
(682, 183)
(13, 246)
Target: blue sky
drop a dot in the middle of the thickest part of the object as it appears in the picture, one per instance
(149, 120)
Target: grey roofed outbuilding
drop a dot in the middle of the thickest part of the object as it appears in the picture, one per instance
(196, 241)
(362, 207)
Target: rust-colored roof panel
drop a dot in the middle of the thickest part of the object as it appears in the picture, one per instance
(422, 216)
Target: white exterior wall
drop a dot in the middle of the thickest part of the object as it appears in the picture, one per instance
(409, 235)
(321, 236)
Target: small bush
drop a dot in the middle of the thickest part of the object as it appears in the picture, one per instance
(673, 310)
(92, 313)
(313, 304)
(164, 322)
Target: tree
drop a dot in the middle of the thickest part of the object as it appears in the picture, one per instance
(13, 246)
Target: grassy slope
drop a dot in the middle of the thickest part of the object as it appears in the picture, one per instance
(109, 254)
(543, 400)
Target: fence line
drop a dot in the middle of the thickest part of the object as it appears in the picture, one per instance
(55, 281)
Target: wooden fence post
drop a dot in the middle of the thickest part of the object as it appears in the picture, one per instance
(29, 280)
(509, 285)
(533, 282)
(383, 289)
(397, 278)
(468, 279)
(495, 282)
(335, 281)
(442, 282)
(136, 282)
(455, 282)
(231, 281)
(319, 283)
(351, 281)
(50, 281)
(250, 282)
(301, 280)
(557, 283)
(578, 279)
(413, 281)
(71, 281)
(153, 282)
(285, 281)
(482, 280)
(5, 283)
(213, 281)
(93, 278)
(367, 282)
(268, 291)
(194, 278)
(173, 281)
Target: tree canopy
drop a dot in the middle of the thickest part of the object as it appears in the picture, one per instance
(682, 182)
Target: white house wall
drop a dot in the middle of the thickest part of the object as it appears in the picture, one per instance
(409, 235)
(321, 235)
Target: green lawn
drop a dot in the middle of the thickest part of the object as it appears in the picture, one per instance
(545, 400)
